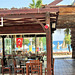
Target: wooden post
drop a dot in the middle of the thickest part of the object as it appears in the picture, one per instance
(48, 43)
(4, 59)
(73, 42)
(35, 43)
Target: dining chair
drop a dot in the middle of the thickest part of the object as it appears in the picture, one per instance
(23, 62)
(4, 69)
(35, 64)
(17, 70)
(52, 69)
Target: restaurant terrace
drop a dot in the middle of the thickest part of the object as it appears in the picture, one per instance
(39, 22)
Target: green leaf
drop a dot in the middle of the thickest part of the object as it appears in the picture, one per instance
(67, 30)
(33, 4)
(67, 39)
(36, 4)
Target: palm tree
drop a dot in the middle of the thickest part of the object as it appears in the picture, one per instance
(67, 37)
(67, 30)
(73, 3)
(36, 4)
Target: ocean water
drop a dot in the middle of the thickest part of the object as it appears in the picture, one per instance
(60, 47)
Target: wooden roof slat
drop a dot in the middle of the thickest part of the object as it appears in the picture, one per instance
(27, 11)
(65, 26)
(26, 16)
(67, 10)
(22, 21)
(19, 21)
(8, 24)
(57, 6)
(55, 2)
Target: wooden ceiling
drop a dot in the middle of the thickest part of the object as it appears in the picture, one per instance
(27, 19)
(24, 21)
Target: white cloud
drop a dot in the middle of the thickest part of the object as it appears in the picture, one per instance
(58, 35)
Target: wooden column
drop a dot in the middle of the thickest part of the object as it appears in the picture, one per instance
(35, 44)
(4, 59)
(48, 43)
(51, 49)
(73, 42)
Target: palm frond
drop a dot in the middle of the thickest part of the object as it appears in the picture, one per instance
(33, 4)
(38, 3)
(67, 31)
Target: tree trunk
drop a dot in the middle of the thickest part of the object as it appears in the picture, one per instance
(68, 47)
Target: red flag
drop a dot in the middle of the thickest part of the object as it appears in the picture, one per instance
(19, 42)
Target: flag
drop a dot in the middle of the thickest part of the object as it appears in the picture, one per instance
(19, 42)
(30, 46)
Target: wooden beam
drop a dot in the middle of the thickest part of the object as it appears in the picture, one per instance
(27, 11)
(48, 43)
(25, 24)
(39, 23)
(18, 22)
(57, 6)
(23, 16)
(57, 17)
(55, 2)
(21, 29)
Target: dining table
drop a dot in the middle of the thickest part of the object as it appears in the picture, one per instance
(24, 61)
(27, 67)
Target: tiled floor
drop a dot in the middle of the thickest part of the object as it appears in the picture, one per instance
(62, 67)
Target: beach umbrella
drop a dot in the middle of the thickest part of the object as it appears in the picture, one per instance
(26, 47)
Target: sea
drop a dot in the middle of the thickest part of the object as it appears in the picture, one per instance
(60, 47)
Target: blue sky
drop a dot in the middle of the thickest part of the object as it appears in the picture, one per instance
(58, 35)
(25, 3)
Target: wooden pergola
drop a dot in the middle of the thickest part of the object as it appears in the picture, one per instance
(18, 22)
(34, 21)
